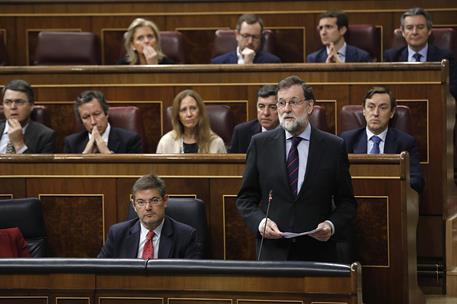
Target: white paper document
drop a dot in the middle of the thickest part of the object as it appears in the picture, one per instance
(289, 235)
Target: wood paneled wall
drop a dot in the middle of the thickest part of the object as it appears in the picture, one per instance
(293, 21)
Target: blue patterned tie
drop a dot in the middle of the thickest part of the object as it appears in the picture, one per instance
(292, 165)
(376, 140)
(417, 56)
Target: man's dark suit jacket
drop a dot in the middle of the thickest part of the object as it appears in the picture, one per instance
(353, 54)
(396, 142)
(37, 137)
(119, 141)
(177, 240)
(242, 135)
(327, 180)
(434, 54)
(260, 57)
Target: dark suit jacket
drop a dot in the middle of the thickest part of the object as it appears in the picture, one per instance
(37, 137)
(13, 244)
(353, 54)
(327, 181)
(177, 240)
(396, 142)
(119, 141)
(260, 57)
(242, 135)
(434, 54)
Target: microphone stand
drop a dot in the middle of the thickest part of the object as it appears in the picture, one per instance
(270, 198)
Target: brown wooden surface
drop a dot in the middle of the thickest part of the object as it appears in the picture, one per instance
(198, 20)
(386, 220)
(179, 288)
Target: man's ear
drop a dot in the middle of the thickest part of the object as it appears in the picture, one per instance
(392, 113)
(165, 200)
(343, 30)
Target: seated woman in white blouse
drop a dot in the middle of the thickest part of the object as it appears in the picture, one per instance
(191, 128)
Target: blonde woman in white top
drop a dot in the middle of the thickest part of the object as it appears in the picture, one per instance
(191, 128)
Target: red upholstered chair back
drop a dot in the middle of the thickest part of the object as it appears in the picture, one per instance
(225, 41)
(67, 48)
(318, 118)
(172, 43)
(444, 38)
(220, 118)
(39, 114)
(3, 52)
(128, 118)
(351, 117)
(366, 37)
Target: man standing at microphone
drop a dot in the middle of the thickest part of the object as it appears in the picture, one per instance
(307, 173)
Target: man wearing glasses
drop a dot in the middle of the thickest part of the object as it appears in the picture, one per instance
(332, 27)
(301, 176)
(20, 134)
(152, 235)
(249, 31)
(267, 119)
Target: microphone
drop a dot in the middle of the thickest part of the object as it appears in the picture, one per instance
(270, 198)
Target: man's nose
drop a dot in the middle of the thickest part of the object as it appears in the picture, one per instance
(93, 121)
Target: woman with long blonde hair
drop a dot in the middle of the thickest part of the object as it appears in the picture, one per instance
(191, 128)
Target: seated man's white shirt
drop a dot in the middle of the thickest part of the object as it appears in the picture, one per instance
(155, 240)
(370, 143)
(5, 139)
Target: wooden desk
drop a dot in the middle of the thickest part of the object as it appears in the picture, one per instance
(84, 195)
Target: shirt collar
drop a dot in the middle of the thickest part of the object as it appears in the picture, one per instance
(7, 128)
(157, 230)
(306, 134)
(423, 52)
(381, 135)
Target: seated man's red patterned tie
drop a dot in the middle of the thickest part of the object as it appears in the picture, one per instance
(148, 251)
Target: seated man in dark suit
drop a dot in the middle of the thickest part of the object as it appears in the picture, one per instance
(378, 138)
(152, 235)
(332, 27)
(416, 28)
(19, 134)
(99, 136)
(249, 30)
(267, 119)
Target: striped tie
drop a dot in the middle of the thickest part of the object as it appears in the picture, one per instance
(10, 148)
(292, 165)
(148, 251)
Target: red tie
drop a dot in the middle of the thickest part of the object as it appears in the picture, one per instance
(148, 251)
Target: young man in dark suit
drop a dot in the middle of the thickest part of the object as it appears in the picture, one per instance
(99, 136)
(306, 173)
(19, 134)
(332, 27)
(267, 119)
(378, 108)
(416, 28)
(152, 235)
(249, 31)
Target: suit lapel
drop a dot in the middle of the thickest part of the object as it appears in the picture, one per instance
(404, 55)
(166, 240)
(130, 250)
(277, 147)
(113, 140)
(314, 155)
(360, 145)
(390, 146)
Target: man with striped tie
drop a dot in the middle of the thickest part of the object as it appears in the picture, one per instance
(305, 172)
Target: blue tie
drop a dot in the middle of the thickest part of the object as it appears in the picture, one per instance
(376, 140)
(417, 56)
(293, 164)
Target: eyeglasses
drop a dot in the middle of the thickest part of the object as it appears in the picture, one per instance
(153, 201)
(271, 107)
(17, 102)
(247, 36)
(293, 103)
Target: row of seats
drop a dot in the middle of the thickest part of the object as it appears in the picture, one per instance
(27, 215)
(74, 48)
(222, 120)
